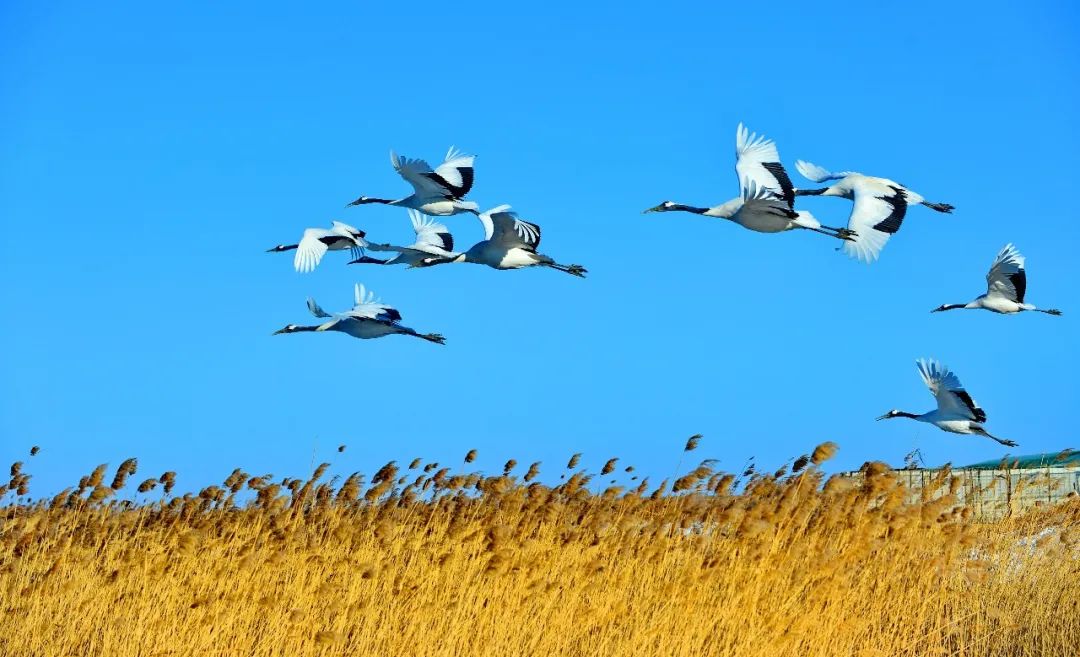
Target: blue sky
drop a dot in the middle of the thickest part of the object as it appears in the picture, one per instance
(149, 154)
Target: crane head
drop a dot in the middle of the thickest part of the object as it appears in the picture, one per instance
(362, 200)
(666, 206)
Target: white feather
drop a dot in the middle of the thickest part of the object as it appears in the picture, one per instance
(818, 174)
(1008, 262)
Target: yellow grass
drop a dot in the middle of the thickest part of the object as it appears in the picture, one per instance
(430, 563)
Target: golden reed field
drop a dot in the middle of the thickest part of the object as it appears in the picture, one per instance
(423, 560)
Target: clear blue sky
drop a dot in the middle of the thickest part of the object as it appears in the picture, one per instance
(149, 155)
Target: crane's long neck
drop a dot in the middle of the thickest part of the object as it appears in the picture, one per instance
(823, 191)
(292, 328)
(364, 200)
(911, 416)
(953, 306)
(679, 207)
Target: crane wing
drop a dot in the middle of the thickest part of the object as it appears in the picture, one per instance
(413, 216)
(811, 171)
(310, 250)
(756, 199)
(354, 234)
(758, 161)
(317, 310)
(1007, 277)
(418, 173)
(431, 236)
(327, 325)
(512, 232)
(345, 230)
(453, 178)
(455, 173)
(950, 394)
(877, 213)
(368, 307)
(486, 222)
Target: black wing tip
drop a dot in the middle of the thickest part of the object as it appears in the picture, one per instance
(898, 201)
(1019, 283)
(786, 186)
(980, 414)
(455, 193)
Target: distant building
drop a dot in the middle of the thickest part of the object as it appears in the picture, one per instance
(997, 488)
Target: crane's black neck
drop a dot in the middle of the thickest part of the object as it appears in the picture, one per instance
(292, 328)
(688, 208)
(811, 192)
(952, 306)
(367, 199)
(905, 414)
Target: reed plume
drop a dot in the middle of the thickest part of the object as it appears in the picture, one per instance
(446, 562)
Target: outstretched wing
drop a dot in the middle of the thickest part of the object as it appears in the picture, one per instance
(418, 173)
(877, 213)
(485, 219)
(455, 173)
(431, 234)
(510, 231)
(757, 160)
(453, 178)
(1006, 277)
(316, 310)
(949, 392)
(353, 234)
(346, 230)
(368, 307)
(762, 200)
(310, 250)
(811, 171)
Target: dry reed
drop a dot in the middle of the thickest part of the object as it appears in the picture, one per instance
(470, 564)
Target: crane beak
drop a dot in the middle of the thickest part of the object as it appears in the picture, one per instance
(279, 332)
(656, 209)
(883, 417)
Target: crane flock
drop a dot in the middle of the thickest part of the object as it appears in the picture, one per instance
(765, 203)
